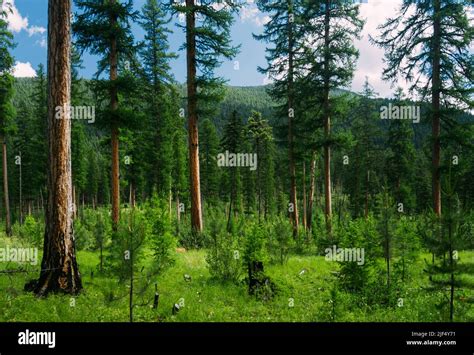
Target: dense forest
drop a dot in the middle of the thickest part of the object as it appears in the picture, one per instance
(148, 199)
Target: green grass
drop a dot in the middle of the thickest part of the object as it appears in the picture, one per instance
(207, 300)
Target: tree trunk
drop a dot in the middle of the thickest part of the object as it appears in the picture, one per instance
(74, 205)
(113, 61)
(327, 125)
(305, 223)
(196, 207)
(59, 269)
(309, 218)
(293, 195)
(435, 102)
(21, 192)
(6, 200)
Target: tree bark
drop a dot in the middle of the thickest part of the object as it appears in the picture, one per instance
(327, 125)
(6, 199)
(293, 195)
(113, 61)
(312, 173)
(305, 222)
(435, 101)
(59, 269)
(195, 185)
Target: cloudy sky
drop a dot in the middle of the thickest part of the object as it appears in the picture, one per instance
(28, 23)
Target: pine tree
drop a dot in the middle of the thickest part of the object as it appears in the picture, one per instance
(232, 139)
(366, 154)
(399, 168)
(284, 66)
(155, 56)
(208, 154)
(59, 269)
(207, 40)
(7, 111)
(260, 134)
(427, 43)
(330, 56)
(104, 29)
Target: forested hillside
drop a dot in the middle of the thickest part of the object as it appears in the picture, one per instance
(135, 196)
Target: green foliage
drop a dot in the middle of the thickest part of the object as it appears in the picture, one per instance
(31, 231)
(223, 257)
(280, 240)
(254, 243)
(162, 241)
(361, 234)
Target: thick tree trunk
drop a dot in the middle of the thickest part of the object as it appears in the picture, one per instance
(195, 185)
(435, 102)
(113, 62)
(6, 199)
(327, 126)
(59, 269)
(291, 110)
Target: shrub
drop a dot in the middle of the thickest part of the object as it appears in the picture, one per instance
(162, 241)
(31, 231)
(223, 257)
(280, 240)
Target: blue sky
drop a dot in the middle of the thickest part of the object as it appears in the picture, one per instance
(29, 22)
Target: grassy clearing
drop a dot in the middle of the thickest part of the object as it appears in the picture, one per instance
(304, 295)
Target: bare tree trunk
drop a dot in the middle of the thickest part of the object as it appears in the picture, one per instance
(6, 199)
(21, 192)
(195, 185)
(59, 270)
(366, 209)
(113, 62)
(293, 194)
(327, 125)
(312, 174)
(435, 102)
(305, 223)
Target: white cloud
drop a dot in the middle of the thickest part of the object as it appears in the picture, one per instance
(370, 63)
(23, 70)
(42, 43)
(18, 23)
(35, 29)
(251, 13)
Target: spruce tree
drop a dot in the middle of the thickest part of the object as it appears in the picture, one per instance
(207, 40)
(284, 32)
(427, 43)
(330, 58)
(155, 56)
(104, 29)
(7, 111)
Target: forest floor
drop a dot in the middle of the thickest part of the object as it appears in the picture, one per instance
(304, 294)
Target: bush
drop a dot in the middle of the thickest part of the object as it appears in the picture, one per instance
(254, 244)
(223, 258)
(31, 231)
(162, 241)
(280, 240)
